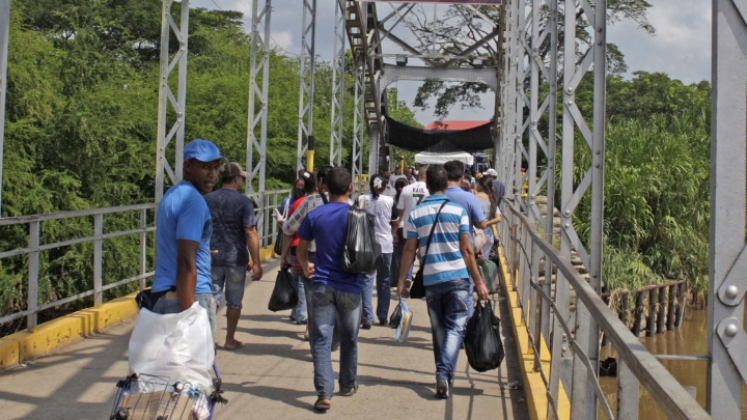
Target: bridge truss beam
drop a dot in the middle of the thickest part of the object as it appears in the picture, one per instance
(260, 44)
(4, 35)
(166, 97)
(306, 92)
(338, 85)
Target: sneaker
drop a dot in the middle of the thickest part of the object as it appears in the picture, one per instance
(322, 404)
(366, 325)
(350, 392)
(383, 322)
(442, 388)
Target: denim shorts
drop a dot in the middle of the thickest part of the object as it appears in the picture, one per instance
(169, 304)
(233, 281)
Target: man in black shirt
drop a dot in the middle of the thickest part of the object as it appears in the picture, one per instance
(234, 229)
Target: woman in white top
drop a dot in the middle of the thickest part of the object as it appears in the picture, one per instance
(381, 207)
(490, 209)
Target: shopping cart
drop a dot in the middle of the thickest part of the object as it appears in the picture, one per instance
(148, 397)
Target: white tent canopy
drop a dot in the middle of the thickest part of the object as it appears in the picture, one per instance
(439, 158)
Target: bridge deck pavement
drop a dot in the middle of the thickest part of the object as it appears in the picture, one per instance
(271, 376)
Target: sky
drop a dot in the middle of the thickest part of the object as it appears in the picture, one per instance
(681, 46)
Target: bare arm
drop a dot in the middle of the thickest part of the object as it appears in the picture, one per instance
(186, 272)
(395, 225)
(465, 244)
(252, 242)
(408, 258)
(302, 252)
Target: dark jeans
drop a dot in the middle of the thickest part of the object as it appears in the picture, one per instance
(383, 291)
(330, 304)
(449, 307)
(309, 297)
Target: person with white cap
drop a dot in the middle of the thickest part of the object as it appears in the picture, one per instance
(498, 188)
(234, 230)
(185, 228)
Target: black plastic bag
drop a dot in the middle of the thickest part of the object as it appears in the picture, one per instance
(278, 249)
(362, 250)
(284, 295)
(482, 341)
(396, 317)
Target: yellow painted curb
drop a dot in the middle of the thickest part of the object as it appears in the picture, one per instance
(29, 345)
(534, 387)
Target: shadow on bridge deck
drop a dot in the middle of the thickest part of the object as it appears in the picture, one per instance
(271, 376)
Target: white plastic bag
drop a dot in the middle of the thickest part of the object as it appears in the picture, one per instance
(179, 346)
(403, 330)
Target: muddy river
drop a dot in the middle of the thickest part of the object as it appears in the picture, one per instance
(689, 339)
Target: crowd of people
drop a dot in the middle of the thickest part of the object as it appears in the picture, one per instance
(439, 214)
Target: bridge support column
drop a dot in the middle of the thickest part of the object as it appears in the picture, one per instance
(358, 120)
(166, 96)
(374, 135)
(260, 44)
(338, 79)
(728, 255)
(306, 92)
(4, 35)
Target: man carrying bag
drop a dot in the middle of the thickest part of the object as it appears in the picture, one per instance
(442, 229)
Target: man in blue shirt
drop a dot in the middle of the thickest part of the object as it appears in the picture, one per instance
(447, 264)
(455, 172)
(334, 292)
(183, 236)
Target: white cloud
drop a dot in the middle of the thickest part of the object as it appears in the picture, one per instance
(282, 39)
(681, 46)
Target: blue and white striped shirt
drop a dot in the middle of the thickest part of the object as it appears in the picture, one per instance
(444, 261)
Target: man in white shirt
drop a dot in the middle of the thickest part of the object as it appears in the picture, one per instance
(411, 196)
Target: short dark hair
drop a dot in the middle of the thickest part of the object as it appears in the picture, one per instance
(338, 181)
(228, 180)
(321, 174)
(436, 178)
(309, 182)
(454, 170)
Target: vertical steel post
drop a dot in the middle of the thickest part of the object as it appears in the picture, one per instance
(33, 300)
(373, 149)
(628, 390)
(520, 93)
(338, 83)
(358, 119)
(166, 96)
(98, 253)
(261, 44)
(306, 92)
(143, 247)
(727, 239)
(552, 26)
(4, 39)
(588, 335)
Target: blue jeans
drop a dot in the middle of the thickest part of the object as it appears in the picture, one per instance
(298, 313)
(383, 290)
(329, 304)
(449, 307)
(233, 281)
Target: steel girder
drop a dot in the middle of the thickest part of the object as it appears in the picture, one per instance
(4, 35)
(306, 91)
(338, 83)
(727, 341)
(166, 96)
(260, 44)
(393, 73)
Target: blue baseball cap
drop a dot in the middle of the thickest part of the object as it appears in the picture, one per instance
(202, 150)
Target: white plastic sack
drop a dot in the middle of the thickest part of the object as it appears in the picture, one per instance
(178, 346)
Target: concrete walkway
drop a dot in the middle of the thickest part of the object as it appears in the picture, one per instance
(271, 376)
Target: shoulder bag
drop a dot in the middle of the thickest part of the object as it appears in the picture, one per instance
(417, 291)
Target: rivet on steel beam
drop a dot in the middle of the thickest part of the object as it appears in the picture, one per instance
(569, 90)
(569, 103)
(567, 225)
(565, 348)
(731, 330)
(598, 152)
(599, 42)
(596, 165)
(599, 29)
(732, 291)
(567, 212)
(565, 337)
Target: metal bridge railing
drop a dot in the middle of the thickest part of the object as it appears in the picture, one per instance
(267, 230)
(636, 366)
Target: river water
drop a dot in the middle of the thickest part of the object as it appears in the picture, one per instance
(690, 339)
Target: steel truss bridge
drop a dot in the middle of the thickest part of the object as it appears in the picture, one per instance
(527, 44)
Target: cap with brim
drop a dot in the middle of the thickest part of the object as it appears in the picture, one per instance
(231, 170)
(491, 172)
(202, 150)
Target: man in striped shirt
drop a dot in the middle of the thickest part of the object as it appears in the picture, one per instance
(447, 267)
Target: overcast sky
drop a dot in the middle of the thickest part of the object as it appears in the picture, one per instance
(681, 46)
